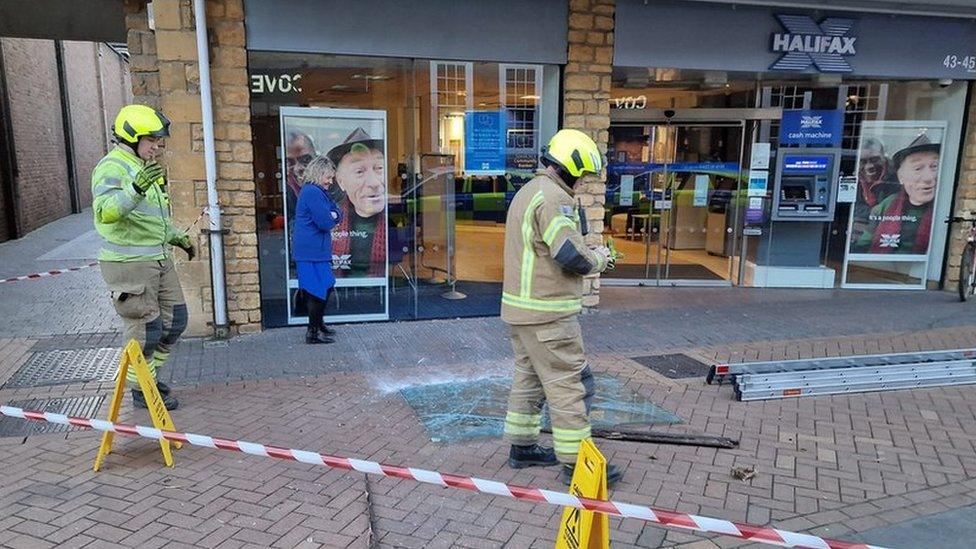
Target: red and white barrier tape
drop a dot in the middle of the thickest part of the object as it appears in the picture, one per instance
(35, 276)
(749, 532)
(206, 210)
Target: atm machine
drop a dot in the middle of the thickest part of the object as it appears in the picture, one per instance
(803, 200)
(805, 188)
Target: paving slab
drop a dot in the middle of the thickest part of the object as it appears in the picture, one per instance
(955, 529)
(877, 465)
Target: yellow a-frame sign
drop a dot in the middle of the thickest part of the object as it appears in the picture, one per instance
(580, 529)
(132, 358)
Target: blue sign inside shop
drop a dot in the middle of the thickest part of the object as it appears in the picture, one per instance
(812, 127)
(484, 143)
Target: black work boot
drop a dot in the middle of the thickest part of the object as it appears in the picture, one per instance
(163, 388)
(139, 400)
(613, 474)
(327, 331)
(520, 457)
(313, 337)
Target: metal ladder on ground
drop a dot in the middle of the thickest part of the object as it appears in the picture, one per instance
(848, 374)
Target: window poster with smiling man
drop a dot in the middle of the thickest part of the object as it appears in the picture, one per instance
(898, 170)
(344, 152)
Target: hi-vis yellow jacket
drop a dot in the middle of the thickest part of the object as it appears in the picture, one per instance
(545, 255)
(133, 227)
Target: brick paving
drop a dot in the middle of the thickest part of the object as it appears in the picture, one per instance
(835, 465)
(830, 465)
(72, 303)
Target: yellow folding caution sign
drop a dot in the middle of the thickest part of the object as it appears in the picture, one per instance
(580, 529)
(132, 358)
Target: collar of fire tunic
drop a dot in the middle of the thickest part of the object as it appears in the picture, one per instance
(562, 184)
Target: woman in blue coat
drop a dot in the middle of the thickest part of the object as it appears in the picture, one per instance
(315, 216)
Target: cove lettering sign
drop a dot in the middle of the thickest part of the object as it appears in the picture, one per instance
(826, 45)
(276, 83)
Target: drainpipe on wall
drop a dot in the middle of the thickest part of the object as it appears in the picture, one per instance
(69, 144)
(8, 158)
(215, 231)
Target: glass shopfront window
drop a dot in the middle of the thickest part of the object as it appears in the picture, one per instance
(452, 141)
(693, 161)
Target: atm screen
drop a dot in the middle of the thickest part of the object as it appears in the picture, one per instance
(806, 164)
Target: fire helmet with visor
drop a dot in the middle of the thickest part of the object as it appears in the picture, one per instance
(573, 154)
(137, 121)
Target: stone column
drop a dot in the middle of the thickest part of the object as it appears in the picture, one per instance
(141, 42)
(965, 204)
(586, 105)
(166, 74)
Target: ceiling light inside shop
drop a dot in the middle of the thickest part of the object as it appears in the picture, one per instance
(371, 77)
(664, 75)
(637, 81)
(340, 87)
(456, 128)
(530, 97)
(827, 80)
(715, 79)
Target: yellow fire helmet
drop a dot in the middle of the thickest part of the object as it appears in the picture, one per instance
(574, 152)
(135, 121)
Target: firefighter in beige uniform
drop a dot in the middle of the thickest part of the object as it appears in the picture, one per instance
(132, 215)
(545, 261)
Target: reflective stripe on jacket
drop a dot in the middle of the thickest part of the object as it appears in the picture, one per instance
(133, 227)
(545, 254)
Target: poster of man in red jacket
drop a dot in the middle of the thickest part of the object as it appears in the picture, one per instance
(356, 148)
(900, 220)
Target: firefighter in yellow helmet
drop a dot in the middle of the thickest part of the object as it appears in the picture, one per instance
(546, 259)
(132, 215)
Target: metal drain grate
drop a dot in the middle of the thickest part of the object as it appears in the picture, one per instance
(675, 366)
(66, 367)
(74, 406)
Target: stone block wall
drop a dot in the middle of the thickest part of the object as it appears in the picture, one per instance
(115, 86)
(88, 117)
(965, 199)
(42, 188)
(165, 74)
(36, 116)
(586, 105)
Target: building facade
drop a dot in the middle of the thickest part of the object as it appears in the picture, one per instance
(747, 145)
(57, 98)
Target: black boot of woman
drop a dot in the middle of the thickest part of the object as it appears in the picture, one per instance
(316, 332)
(322, 327)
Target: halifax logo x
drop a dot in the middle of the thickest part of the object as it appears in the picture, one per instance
(807, 43)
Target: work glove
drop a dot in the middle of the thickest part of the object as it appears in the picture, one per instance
(605, 253)
(614, 254)
(149, 174)
(187, 245)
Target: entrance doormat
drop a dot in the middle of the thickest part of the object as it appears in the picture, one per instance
(678, 271)
(676, 366)
(468, 409)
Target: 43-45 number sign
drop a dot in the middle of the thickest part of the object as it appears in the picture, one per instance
(967, 63)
